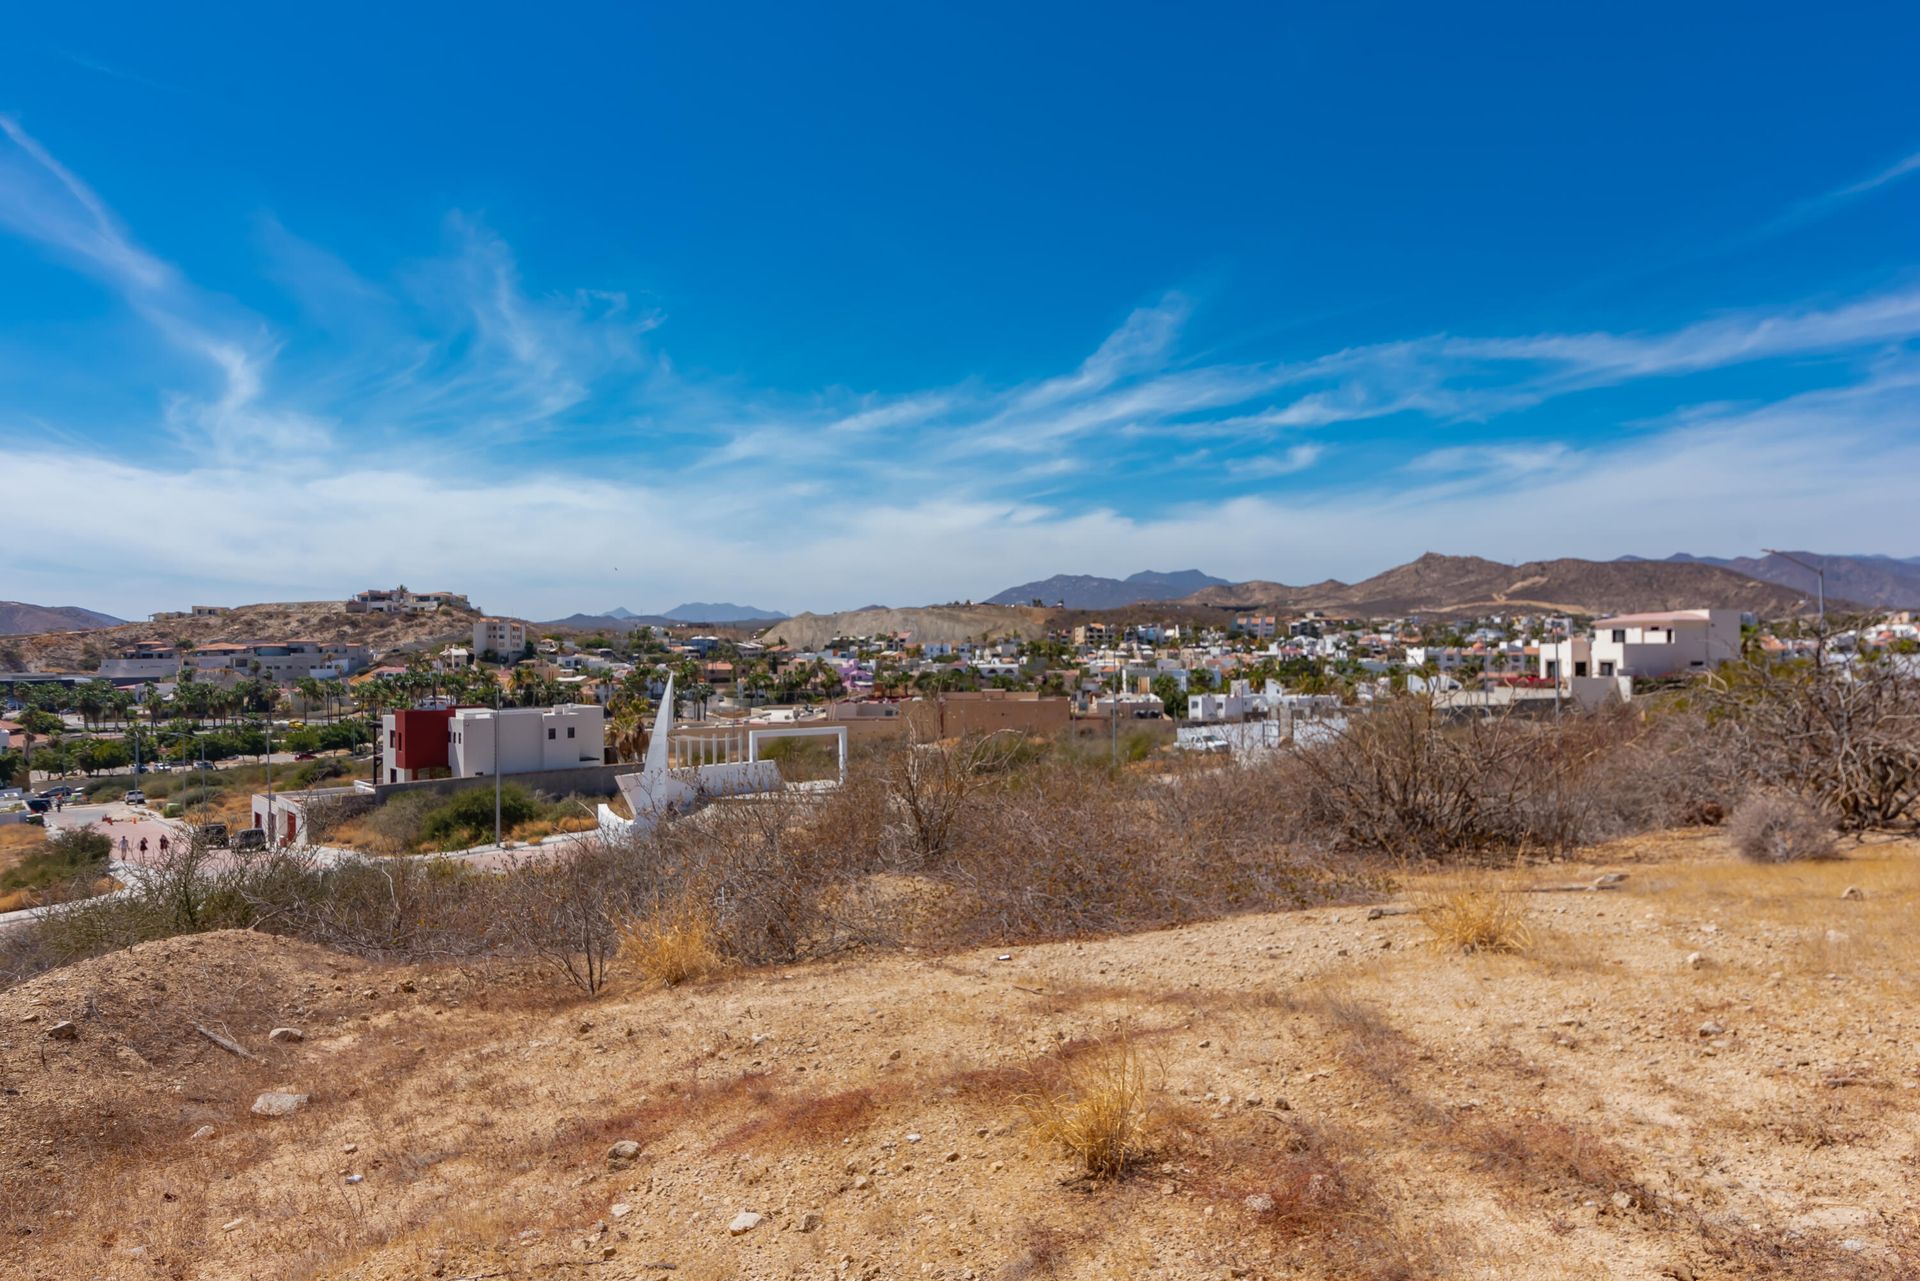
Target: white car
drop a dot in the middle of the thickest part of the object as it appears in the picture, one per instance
(135, 797)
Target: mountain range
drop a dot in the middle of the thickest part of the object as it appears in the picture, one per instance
(1884, 582)
(17, 618)
(1088, 591)
(1458, 585)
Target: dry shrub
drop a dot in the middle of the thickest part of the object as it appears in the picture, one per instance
(673, 944)
(1099, 1107)
(1410, 782)
(1550, 1156)
(1776, 827)
(1844, 736)
(1477, 920)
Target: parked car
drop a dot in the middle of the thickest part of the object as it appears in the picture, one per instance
(249, 838)
(212, 834)
(304, 756)
(38, 805)
(134, 797)
(62, 790)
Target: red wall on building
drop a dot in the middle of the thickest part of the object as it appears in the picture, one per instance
(419, 739)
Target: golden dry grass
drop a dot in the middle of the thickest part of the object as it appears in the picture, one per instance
(1101, 1110)
(676, 944)
(1477, 919)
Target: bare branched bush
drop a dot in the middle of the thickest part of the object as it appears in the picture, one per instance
(1775, 827)
(931, 786)
(1845, 737)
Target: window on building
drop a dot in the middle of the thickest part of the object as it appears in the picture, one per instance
(569, 731)
(1619, 635)
(550, 732)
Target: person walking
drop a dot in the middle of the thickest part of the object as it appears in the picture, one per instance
(123, 845)
(143, 847)
(163, 846)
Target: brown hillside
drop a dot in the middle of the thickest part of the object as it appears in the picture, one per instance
(324, 620)
(940, 624)
(1437, 584)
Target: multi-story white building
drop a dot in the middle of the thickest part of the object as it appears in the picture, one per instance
(523, 740)
(1647, 645)
(502, 636)
(473, 742)
(282, 663)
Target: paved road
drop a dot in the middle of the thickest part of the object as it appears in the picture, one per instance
(120, 823)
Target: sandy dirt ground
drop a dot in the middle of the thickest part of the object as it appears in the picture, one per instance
(1710, 1070)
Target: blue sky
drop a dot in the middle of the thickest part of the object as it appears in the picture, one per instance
(812, 306)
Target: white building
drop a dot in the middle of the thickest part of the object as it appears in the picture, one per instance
(399, 600)
(502, 636)
(1646, 645)
(525, 740)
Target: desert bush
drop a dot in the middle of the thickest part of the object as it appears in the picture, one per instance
(1477, 920)
(466, 818)
(1099, 1108)
(1776, 827)
(1844, 738)
(79, 853)
(564, 911)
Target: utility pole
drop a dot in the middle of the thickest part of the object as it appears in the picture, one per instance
(496, 764)
(1819, 579)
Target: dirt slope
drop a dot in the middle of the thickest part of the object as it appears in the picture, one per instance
(947, 624)
(1338, 1100)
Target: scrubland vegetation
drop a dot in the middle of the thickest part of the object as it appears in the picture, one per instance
(999, 1009)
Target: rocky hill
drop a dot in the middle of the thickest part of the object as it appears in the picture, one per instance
(324, 620)
(939, 624)
(1437, 584)
(1089, 591)
(1884, 582)
(17, 618)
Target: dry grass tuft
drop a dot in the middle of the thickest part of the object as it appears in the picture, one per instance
(1477, 920)
(674, 945)
(1551, 1156)
(1100, 1108)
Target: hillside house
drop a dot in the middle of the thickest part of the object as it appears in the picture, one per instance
(1647, 645)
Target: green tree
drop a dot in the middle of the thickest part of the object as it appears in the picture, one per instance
(1171, 696)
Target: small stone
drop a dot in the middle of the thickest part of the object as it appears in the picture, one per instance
(745, 1221)
(1852, 1245)
(862, 1182)
(1606, 879)
(1622, 1201)
(623, 1152)
(913, 1138)
(64, 1030)
(1853, 893)
(620, 1210)
(286, 1036)
(1259, 1203)
(231, 1225)
(370, 995)
(1205, 1044)
(349, 1149)
(356, 1178)
(953, 1156)
(1696, 960)
(204, 1132)
(278, 1103)
(1375, 913)
(812, 1221)
(1004, 956)
(1711, 1028)
(607, 1251)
